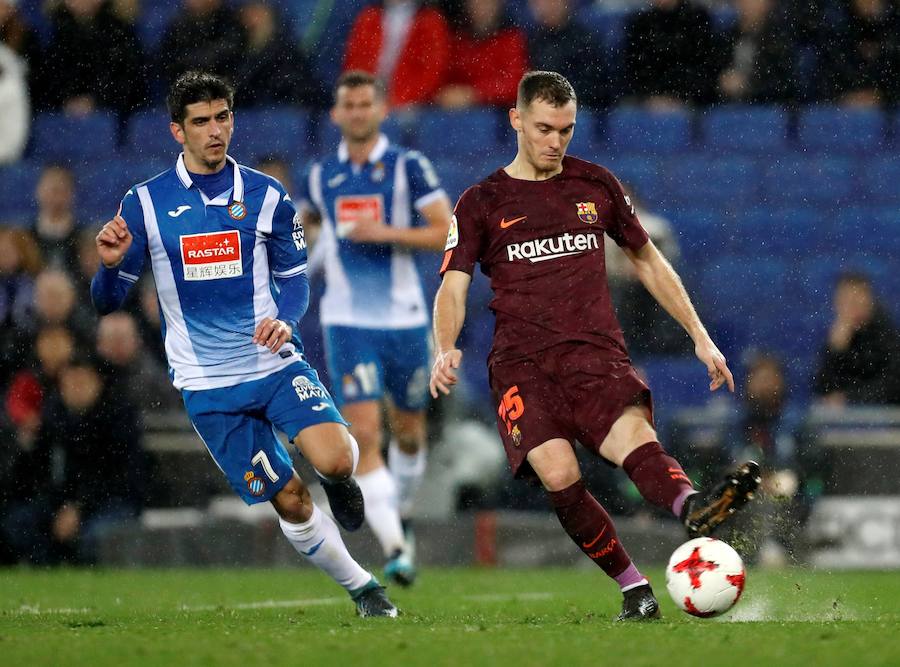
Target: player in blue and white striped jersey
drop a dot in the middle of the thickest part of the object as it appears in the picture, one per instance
(228, 254)
(378, 203)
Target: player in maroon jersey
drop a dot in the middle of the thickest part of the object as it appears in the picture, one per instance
(558, 366)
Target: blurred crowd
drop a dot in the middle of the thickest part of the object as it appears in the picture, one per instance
(456, 53)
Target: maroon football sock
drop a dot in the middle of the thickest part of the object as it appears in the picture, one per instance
(590, 527)
(658, 477)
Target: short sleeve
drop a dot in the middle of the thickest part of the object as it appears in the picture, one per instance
(287, 242)
(133, 213)
(464, 240)
(624, 228)
(424, 184)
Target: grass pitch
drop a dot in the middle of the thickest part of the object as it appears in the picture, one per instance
(452, 617)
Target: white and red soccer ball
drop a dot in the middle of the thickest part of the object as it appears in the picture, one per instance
(705, 577)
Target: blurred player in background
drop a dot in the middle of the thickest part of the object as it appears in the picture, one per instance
(558, 367)
(228, 254)
(377, 204)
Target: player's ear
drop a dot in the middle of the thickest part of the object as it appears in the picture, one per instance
(515, 119)
(177, 132)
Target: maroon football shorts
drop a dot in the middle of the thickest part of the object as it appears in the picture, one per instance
(572, 391)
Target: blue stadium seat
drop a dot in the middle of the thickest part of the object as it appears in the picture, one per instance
(780, 232)
(801, 180)
(846, 130)
(881, 176)
(639, 130)
(72, 139)
(642, 173)
(147, 137)
(676, 382)
(17, 184)
(100, 189)
(457, 174)
(474, 134)
(155, 18)
(745, 128)
(586, 141)
(706, 179)
(282, 131)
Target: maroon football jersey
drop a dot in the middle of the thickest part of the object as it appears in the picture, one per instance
(541, 245)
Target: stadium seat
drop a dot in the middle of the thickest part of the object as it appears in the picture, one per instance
(74, 139)
(881, 176)
(586, 141)
(638, 130)
(845, 130)
(802, 180)
(147, 137)
(100, 189)
(282, 131)
(641, 173)
(745, 128)
(17, 184)
(708, 179)
(474, 134)
(676, 383)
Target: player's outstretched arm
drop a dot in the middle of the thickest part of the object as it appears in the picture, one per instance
(663, 283)
(449, 315)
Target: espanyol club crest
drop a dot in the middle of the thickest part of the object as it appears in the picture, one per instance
(256, 485)
(587, 212)
(378, 172)
(237, 210)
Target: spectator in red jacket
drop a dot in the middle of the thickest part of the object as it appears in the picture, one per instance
(488, 58)
(405, 45)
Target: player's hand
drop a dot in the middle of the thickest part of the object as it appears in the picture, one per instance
(709, 354)
(272, 334)
(369, 231)
(113, 242)
(443, 373)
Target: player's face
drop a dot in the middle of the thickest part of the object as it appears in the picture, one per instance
(205, 135)
(358, 112)
(544, 132)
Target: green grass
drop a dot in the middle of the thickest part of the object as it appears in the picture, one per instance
(452, 617)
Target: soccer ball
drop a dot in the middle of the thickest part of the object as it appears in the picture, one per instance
(705, 577)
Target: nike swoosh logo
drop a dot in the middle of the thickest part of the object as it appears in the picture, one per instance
(588, 545)
(313, 550)
(504, 223)
(335, 181)
(319, 407)
(178, 211)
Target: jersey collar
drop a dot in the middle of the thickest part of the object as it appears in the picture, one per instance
(377, 153)
(185, 178)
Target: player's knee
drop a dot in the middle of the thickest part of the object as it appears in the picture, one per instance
(409, 442)
(338, 466)
(560, 477)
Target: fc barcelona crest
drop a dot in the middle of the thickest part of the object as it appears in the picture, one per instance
(587, 212)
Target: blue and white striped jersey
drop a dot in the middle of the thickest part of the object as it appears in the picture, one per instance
(214, 262)
(371, 286)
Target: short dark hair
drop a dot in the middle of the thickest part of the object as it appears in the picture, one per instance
(354, 78)
(552, 87)
(194, 86)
